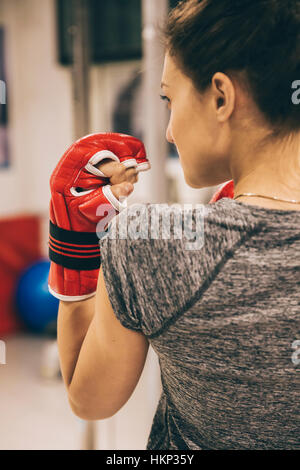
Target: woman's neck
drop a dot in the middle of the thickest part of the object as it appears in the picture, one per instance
(272, 171)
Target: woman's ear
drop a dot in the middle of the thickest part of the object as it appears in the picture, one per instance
(224, 93)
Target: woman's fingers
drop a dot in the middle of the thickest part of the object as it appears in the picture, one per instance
(111, 168)
(122, 189)
(120, 177)
(132, 175)
(117, 173)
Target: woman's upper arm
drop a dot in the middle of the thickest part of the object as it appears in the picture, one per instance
(114, 358)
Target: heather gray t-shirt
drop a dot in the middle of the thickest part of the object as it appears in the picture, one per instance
(223, 318)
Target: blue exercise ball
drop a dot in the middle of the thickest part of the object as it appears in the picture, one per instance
(36, 307)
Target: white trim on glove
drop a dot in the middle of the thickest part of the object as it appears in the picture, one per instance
(144, 166)
(76, 193)
(130, 163)
(119, 206)
(98, 157)
(70, 298)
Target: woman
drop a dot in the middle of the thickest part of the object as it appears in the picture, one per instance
(223, 318)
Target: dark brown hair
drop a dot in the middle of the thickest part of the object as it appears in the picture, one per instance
(260, 38)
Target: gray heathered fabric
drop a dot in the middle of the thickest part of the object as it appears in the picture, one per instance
(222, 320)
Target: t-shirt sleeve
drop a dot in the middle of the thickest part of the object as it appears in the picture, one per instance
(118, 271)
(141, 271)
(124, 269)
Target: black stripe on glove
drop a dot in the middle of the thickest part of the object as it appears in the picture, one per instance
(74, 250)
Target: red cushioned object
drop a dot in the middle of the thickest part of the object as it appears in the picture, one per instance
(227, 190)
(79, 193)
(20, 247)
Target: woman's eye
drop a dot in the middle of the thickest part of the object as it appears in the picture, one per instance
(165, 98)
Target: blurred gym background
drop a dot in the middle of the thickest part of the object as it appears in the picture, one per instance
(70, 68)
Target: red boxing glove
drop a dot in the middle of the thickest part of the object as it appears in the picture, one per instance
(227, 190)
(78, 189)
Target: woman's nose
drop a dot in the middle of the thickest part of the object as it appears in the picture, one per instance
(169, 135)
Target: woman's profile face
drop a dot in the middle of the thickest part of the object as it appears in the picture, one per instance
(202, 143)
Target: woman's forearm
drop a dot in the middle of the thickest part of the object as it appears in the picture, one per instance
(74, 319)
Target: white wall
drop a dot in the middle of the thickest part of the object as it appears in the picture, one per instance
(39, 101)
